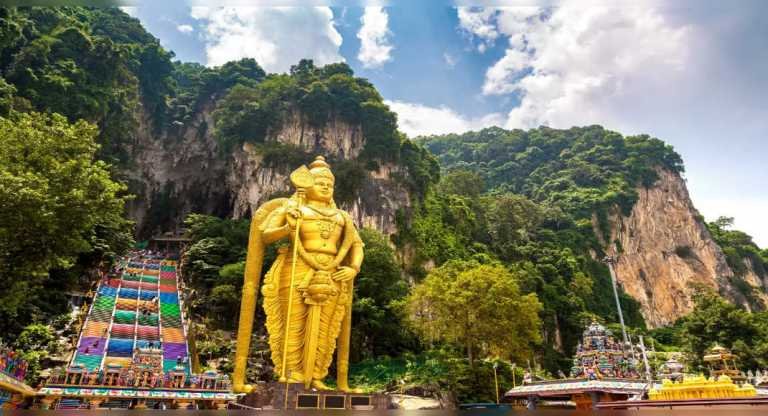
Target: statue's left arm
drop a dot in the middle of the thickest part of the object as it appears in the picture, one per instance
(350, 267)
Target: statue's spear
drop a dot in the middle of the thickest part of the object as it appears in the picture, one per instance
(301, 179)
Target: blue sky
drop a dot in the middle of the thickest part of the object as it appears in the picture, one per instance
(692, 73)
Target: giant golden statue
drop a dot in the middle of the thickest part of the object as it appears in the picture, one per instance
(308, 290)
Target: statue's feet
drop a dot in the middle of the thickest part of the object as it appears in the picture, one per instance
(242, 388)
(293, 379)
(346, 389)
(319, 385)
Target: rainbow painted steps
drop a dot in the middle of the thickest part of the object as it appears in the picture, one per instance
(135, 310)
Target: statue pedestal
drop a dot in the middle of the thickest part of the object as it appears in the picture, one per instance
(301, 398)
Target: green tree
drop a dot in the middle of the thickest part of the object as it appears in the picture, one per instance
(35, 343)
(477, 306)
(462, 182)
(54, 199)
(225, 303)
(35, 337)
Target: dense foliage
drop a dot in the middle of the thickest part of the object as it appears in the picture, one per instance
(439, 373)
(379, 288)
(213, 265)
(582, 170)
(90, 64)
(57, 204)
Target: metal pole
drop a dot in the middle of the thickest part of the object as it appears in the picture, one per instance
(645, 360)
(609, 261)
(496, 381)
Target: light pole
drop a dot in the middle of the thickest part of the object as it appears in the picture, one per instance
(610, 261)
(514, 366)
(645, 361)
(496, 380)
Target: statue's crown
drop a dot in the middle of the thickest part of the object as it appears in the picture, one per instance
(320, 168)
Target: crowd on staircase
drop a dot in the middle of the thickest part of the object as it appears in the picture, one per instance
(134, 333)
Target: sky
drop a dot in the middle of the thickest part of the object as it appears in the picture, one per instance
(693, 73)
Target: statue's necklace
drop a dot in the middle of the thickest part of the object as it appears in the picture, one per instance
(326, 212)
(325, 229)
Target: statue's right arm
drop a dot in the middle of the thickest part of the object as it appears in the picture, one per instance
(276, 227)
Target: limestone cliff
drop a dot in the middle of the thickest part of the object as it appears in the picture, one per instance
(175, 174)
(664, 250)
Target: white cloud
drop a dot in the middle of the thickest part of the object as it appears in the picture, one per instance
(479, 23)
(185, 28)
(375, 45)
(421, 120)
(277, 37)
(580, 64)
(450, 60)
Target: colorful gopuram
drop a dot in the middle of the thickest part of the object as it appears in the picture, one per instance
(600, 356)
(133, 352)
(603, 370)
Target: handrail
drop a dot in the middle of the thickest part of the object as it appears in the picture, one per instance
(85, 323)
(111, 321)
(242, 406)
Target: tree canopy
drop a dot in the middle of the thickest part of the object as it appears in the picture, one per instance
(56, 203)
(477, 306)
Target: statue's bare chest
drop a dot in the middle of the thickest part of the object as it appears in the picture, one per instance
(325, 226)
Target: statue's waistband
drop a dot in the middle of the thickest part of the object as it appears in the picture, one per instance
(319, 257)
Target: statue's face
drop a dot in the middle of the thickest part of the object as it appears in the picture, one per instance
(322, 190)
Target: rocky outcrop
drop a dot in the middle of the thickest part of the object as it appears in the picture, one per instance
(406, 402)
(758, 283)
(664, 251)
(185, 172)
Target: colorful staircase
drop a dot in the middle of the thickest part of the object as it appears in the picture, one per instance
(136, 310)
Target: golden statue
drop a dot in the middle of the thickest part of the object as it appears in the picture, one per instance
(308, 290)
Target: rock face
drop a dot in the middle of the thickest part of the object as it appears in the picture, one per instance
(664, 250)
(187, 172)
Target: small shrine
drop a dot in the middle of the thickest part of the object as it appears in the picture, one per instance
(671, 370)
(147, 367)
(721, 362)
(112, 374)
(599, 356)
(76, 374)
